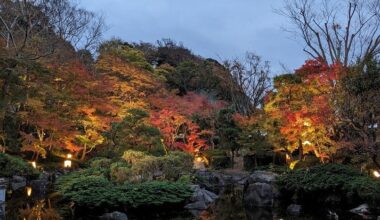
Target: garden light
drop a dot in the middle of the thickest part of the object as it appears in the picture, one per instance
(376, 174)
(67, 164)
(28, 191)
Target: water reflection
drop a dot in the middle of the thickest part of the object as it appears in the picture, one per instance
(41, 210)
(230, 206)
(29, 204)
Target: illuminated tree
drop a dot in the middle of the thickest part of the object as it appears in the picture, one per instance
(174, 118)
(300, 114)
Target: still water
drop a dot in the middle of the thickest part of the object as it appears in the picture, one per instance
(229, 206)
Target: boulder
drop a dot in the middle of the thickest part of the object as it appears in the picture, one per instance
(40, 187)
(201, 198)
(211, 179)
(198, 205)
(18, 182)
(362, 210)
(260, 189)
(258, 195)
(262, 177)
(332, 215)
(294, 210)
(114, 216)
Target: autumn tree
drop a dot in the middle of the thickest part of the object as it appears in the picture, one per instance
(174, 118)
(300, 114)
(339, 31)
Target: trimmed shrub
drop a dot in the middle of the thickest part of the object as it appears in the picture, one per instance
(100, 162)
(98, 192)
(323, 180)
(120, 172)
(10, 166)
(146, 167)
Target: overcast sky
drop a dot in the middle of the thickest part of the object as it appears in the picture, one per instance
(220, 29)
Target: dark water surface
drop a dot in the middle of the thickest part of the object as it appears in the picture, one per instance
(228, 207)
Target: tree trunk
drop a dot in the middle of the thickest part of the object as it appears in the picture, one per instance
(84, 152)
(300, 150)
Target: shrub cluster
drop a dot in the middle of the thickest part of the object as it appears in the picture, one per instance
(91, 188)
(145, 167)
(323, 180)
(10, 166)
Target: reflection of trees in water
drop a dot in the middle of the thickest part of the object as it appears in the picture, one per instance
(230, 206)
(39, 212)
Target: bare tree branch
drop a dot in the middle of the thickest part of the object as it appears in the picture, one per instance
(335, 35)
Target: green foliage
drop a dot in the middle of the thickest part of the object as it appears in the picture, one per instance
(146, 167)
(154, 193)
(134, 132)
(331, 178)
(227, 130)
(10, 166)
(127, 53)
(120, 172)
(218, 159)
(96, 191)
(100, 162)
(182, 76)
(90, 191)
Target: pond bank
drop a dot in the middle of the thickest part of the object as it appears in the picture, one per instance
(247, 196)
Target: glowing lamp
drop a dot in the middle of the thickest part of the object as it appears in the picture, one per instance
(69, 156)
(34, 164)
(306, 143)
(67, 164)
(306, 123)
(28, 191)
(376, 173)
(199, 159)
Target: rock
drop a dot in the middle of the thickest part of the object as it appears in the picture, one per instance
(294, 210)
(258, 195)
(212, 195)
(114, 216)
(201, 198)
(198, 205)
(212, 179)
(262, 177)
(18, 182)
(40, 187)
(332, 215)
(362, 210)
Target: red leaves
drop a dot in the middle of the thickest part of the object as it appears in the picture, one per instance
(304, 111)
(173, 118)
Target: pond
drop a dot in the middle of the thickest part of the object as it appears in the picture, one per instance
(229, 206)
